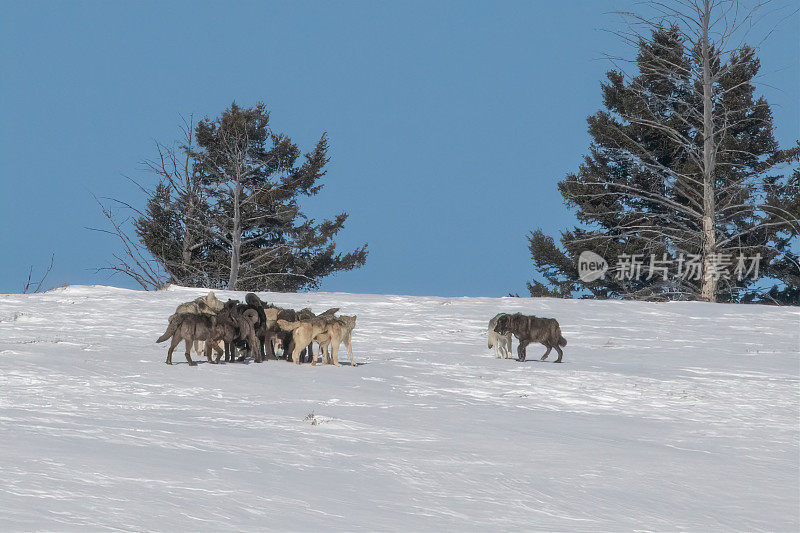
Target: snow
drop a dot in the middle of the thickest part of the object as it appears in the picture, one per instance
(677, 416)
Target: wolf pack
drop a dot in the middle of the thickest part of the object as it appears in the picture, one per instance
(236, 330)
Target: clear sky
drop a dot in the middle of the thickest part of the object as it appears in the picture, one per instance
(450, 123)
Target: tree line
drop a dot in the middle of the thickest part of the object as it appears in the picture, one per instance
(683, 184)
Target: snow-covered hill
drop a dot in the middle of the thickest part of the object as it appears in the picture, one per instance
(663, 417)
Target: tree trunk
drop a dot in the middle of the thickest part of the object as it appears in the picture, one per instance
(708, 290)
(236, 247)
(188, 235)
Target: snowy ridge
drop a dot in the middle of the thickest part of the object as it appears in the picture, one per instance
(677, 416)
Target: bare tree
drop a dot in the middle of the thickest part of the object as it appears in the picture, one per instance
(135, 261)
(177, 233)
(174, 227)
(174, 167)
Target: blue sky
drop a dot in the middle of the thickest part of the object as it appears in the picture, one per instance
(450, 123)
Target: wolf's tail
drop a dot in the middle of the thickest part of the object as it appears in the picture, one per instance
(562, 341)
(173, 325)
(285, 325)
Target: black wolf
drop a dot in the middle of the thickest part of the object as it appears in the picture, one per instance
(530, 329)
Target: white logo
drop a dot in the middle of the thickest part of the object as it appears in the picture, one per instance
(591, 267)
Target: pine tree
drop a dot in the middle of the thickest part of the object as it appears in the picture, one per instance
(239, 224)
(677, 169)
(784, 197)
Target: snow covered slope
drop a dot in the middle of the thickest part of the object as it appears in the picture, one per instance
(663, 417)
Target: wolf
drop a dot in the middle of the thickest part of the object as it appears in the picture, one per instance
(263, 331)
(500, 342)
(191, 327)
(205, 305)
(285, 337)
(339, 331)
(240, 323)
(530, 329)
(304, 332)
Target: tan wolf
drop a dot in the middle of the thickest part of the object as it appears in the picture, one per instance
(339, 331)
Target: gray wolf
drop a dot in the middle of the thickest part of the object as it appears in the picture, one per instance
(500, 342)
(204, 305)
(264, 331)
(530, 329)
(191, 327)
(207, 305)
(240, 323)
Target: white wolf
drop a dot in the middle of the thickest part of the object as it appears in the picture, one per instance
(500, 343)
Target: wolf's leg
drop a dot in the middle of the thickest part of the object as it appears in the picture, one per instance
(288, 349)
(350, 349)
(219, 351)
(299, 350)
(188, 349)
(335, 351)
(507, 346)
(228, 354)
(269, 349)
(175, 341)
(521, 351)
(312, 357)
(560, 353)
(549, 349)
(207, 350)
(297, 354)
(255, 347)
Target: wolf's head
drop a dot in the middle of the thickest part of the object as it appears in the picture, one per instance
(213, 303)
(503, 324)
(349, 321)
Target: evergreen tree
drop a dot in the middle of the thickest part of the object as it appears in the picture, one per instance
(239, 224)
(784, 199)
(677, 170)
